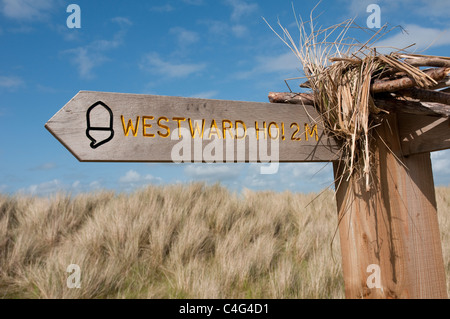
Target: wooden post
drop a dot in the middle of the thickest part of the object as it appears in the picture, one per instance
(390, 237)
(394, 226)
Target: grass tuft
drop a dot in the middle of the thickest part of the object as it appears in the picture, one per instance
(182, 241)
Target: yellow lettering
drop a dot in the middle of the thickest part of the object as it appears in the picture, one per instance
(126, 130)
(309, 133)
(162, 118)
(293, 138)
(227, 128)
(196, 130)
(145, 126)
(216, 129)
(263, 129)
(236, 125)
(179, 120)
(270, 133)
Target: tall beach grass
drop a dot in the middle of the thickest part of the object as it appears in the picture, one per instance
(182, 241)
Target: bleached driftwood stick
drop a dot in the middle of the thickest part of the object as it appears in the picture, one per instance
(426, 95)
(407, 82)
(389, 103)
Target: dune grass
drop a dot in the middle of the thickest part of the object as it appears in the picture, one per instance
(180, 241)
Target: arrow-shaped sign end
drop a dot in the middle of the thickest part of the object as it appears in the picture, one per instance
(48, 126)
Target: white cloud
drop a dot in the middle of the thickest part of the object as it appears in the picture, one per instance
(90, 56)
(205, 95)
(283, 63)
(222, 29)
(423, 37)
(130, 177)
(184, 37)
(76, 184)
(10, 82)
(213, 172)
(164, 8)
(85, 60)
(133, 177)
(435, 8)
(241, 8)
(216, 27)
(105, 45)
(26, 9)
(122, 21)
(44, 188)
(44, 167)
(311, 173)
(239, 30)
(304, 177)
(153, 63)
(69, 34)
(55, 186)
(254, 178)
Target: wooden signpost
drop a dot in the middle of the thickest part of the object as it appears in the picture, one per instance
(390, 231)
(114, 127)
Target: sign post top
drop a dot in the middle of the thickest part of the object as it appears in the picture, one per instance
(118, 127)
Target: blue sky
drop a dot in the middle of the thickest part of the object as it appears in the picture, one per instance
(194, 48)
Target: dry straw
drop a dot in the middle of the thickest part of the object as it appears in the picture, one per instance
(340, 72)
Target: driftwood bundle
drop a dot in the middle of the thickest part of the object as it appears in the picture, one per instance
(363, 88)
(393, 89)
(352, 85)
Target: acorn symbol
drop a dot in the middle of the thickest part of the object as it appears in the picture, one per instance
(99, 118)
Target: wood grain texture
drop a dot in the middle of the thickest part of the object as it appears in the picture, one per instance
(69, 127)
(426, 95)
(423, 134)
(434, 62)
(384, 101)
(394, 225)
(291, 98)
(407, 82)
